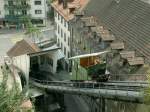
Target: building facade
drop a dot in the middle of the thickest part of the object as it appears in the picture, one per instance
(63, 34)
(12, 12)
(38, 11)
(64, 13)
(2, 12)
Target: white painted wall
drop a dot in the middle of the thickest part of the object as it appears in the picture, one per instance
(23, 63)
(34, 7)
(64, 27)
(2, 11)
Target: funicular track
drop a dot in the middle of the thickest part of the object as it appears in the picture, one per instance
(131, 91)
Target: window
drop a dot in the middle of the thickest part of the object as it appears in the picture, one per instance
(67, 26)
(68, 41)
(61, 33)
(23, 3)
(11, 12)
(58, 16)
(38, 11)
(58, 43)
(37, 21)
(68, 54)
(65, 37)
(10, 3)
(62, 20)
(58, 29)
(61, 46)
(37, 2)
(65, 23)
(24, 12)
(64, 51)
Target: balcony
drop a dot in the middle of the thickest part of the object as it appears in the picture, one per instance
(15, 18)
(17, 6)
(9, 6)
(12, 18)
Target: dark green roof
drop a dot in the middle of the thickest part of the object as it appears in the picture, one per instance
(128, 20)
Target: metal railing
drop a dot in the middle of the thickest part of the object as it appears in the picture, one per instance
(125, 91)
(112, 85)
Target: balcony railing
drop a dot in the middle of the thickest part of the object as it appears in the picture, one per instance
(17, 6)
(14, 18)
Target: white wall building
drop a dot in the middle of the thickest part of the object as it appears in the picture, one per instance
(64, 12)
(2, 12)
(37, 9)
(63, 34)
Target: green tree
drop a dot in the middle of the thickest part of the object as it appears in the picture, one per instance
(146, 108)
(11, 99)
(32, 30)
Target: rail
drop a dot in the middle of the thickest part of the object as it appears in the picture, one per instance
(126, 91)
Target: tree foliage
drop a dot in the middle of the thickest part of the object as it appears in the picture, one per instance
(10, 99)
(147, 90)
(31, 29)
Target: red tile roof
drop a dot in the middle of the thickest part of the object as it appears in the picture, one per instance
(23, 47)
(77, 4)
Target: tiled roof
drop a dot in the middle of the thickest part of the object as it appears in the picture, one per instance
(136, 61)
(128, 20)
(117, 45)
(23, 47)
(77, 4)
(127, 54)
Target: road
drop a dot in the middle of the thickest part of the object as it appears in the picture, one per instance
(5, 43)
(75, 104)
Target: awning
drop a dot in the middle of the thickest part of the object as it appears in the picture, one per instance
(42, 52)
(88, 55)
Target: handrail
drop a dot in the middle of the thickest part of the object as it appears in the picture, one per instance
(123, 93)
(95, 85)
(90, 82)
